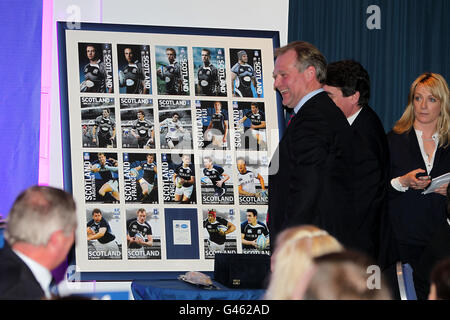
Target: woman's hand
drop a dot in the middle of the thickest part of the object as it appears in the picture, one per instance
(442, 190)
(409, 180)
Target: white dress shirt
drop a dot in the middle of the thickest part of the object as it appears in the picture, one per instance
(353, 117)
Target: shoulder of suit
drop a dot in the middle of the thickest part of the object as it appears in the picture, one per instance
(368, 119)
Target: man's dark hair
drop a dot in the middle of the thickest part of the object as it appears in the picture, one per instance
(96, 210)
(255, 213)
(173, 50)
(350, 77)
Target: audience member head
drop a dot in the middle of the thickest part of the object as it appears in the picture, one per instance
(41, 225)
(342, 276)
(440, 281)
(295, 249)
(436, 85)
(348, 85)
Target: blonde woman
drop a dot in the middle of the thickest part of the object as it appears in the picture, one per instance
(419, 149)
(293, 258)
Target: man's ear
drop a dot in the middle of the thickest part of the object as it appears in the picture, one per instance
(355, 97)
(310, 73)
(55, 241)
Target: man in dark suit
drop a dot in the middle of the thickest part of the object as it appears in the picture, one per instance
(311, 174)
(39, 234)
(348, 85)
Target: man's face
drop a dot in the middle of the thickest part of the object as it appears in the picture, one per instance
(102, 158)
(205, 56)
(251, 218)
(211, 217)
(291, 83)
(241, 166)
(105, 113)
(175, 118)
(90, 52)
(186, 159)
(217, 106)
(140, 116)
(97, 216)
(207, 163)
(244, 58)
(254, 109)
(129, 55)
(346, 104)
(170, 56)
(142, 215)
(150, 158)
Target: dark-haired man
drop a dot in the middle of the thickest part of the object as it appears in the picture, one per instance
(252, 229)
(207, 76)
(99, 234)
(348, 85)
(217, 235)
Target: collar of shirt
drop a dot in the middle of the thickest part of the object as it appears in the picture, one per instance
(306, 98)
(435, 137)
(42, 274)
(353, 117)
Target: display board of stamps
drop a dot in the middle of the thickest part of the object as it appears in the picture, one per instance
(167, 141)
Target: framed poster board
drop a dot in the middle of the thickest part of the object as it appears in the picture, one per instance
(167, 137)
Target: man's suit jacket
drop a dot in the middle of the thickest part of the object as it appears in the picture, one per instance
(371, 168)
(310, 175)
(17, 282)
(415, 217)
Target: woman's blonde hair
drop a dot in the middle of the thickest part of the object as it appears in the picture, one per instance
(296, 249)
(438, 87)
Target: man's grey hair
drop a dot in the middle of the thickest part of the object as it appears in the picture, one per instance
(307, 55)
(37, 213)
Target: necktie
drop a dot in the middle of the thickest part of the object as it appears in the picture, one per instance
(54, 288)
(290, 118)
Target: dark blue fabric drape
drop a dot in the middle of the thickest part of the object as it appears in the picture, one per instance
(20, 84)
(414, 38)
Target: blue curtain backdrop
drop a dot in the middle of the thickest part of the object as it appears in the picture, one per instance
(414, 38)
(20, 84)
